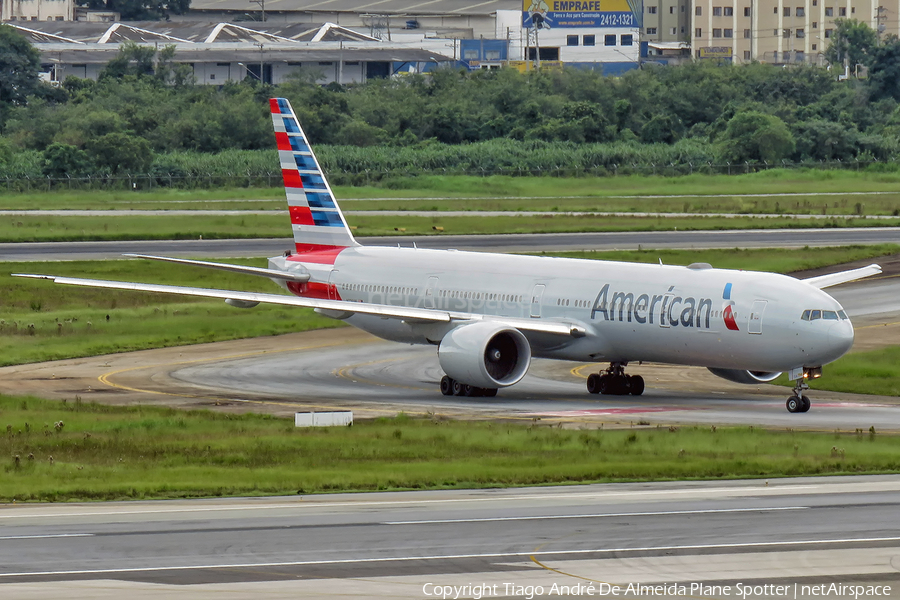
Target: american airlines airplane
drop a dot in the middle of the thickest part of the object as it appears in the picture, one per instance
(489, 314)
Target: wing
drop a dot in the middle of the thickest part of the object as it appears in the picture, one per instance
(301, 275)
(824, 281)
(341, 307)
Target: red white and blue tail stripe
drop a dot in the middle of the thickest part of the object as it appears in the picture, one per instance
(316, 219)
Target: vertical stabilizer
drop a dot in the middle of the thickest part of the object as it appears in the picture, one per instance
(316, 219)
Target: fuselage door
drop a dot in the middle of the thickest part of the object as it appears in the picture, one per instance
(430, 289)
(756, 316)
(536, 297)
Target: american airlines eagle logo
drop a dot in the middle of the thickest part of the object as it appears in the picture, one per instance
(728, 309)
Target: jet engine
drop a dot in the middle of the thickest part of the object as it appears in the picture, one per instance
(485, 355)
(739, 376)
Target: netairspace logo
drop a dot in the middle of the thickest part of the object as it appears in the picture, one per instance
(635, 590)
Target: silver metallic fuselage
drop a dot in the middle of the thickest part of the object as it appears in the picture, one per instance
(629, 311)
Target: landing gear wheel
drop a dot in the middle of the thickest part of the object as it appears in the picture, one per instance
(489, 392)
(459, 389)
(604, 386)
(470, 391)
(637, 385)
(806, 404)
(593, 383)
(794, 404)
(447, 385)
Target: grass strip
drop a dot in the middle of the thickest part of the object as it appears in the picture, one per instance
(28, 228)
(53, 451)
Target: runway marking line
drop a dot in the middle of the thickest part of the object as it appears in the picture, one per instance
(342, 373)
(105, 378)
(46, 536)
(753, 490)
(602, 515)
(394, 559)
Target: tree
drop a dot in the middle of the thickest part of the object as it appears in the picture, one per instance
(756, 136)
(121, 153)
(884, 75)
(19, 64)
(851, 40)
(61, 160)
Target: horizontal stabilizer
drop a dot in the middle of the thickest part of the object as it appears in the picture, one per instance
(409, 313)
(259, 271)
(824, 281)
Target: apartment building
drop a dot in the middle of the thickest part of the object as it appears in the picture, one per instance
(666, 21)
(780, 31)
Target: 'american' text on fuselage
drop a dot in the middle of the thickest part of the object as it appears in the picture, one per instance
(641, 310)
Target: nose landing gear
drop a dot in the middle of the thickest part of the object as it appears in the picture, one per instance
(799, 403)
(615, 382)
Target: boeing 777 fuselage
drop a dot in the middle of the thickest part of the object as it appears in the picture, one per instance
(489, 314)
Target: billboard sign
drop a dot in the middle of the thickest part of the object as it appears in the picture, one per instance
(552, 14)
(715, 52)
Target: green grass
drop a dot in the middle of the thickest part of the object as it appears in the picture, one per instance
(875, 372)
(42, 321)
(107, 453)
(64, 228)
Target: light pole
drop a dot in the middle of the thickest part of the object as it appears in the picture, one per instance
(249, 72)
(262, 8)
(262, 74)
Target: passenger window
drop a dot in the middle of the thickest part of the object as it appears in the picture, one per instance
(843, 315)
(816, 314)
(830, 315)
(805, 316)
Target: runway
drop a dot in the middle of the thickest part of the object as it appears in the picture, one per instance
(802, 532)
(548, 242)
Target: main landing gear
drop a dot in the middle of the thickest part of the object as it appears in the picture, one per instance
(615, 382)
(799, 403)
(451, 387)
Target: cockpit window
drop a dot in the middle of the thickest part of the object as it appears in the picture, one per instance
(805, 316)
(830, 315)
(816, 314)
(843, 315)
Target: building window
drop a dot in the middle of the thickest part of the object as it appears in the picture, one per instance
(729, 33)
(325, 64)
(717, 11)
(775, 33)
(815, 2)
(473, 54)
(786, 34)
(673, 31)
(746, 34)
(698, 11)
(609, 40)
(801, 33)
(212, 76)
(815, 25)
(729, 11)
(588, 40)
(746, 55)
(651, 10)
(717, 33)
(843, 11)
(775, 10)
(828, 33)
(775, 56)
(746, 11)
(671, 10)
(698, 33)
(571, 40)
(626, 40)
(682, 8)
(682, 29)
(488, 55)
(814, 47)
(800, 11)
(651, 31)
(787, 11)
(829, 12)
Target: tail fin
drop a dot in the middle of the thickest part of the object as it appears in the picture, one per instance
(316, 219)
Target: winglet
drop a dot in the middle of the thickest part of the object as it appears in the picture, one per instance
(316, 218)
(824, 281)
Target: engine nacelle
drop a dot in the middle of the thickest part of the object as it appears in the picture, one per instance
(485, 355)
(739, 376)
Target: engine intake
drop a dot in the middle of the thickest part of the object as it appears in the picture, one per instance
(739, 376)
(485, 355)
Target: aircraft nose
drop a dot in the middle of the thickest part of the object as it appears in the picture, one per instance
(840, 337)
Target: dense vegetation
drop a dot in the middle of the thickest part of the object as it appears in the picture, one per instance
(146, 114)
